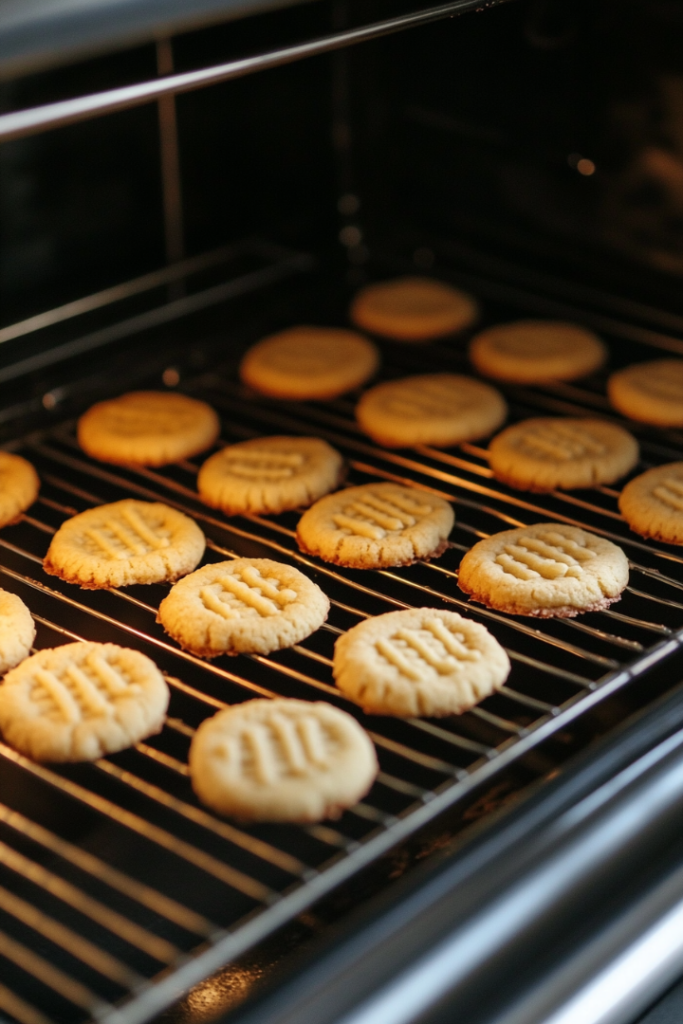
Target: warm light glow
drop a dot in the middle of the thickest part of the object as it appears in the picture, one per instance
(585, 167)
(170, 377)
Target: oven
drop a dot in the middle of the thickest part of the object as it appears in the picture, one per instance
(176, 182)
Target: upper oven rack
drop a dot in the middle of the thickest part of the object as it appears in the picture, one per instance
(22, 123)
(109, 925)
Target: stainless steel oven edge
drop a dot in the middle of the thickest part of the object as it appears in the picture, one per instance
(567, 909)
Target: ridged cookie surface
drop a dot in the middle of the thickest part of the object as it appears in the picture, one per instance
(123, 543)
(652, 503)
(249, 605)
(81, 701)
(413, 309)
(378, 524)
(440, 409)
(269, 475)
(148, 428)
(281, 760)
(533, 351)
(19, 486)
(422, 661)
(549, 452)
(651, 392)
(309, 362)
(548, 569)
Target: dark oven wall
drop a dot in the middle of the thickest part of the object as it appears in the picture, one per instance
(545, 131)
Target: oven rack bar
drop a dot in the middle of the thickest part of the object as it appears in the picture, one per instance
(152, 486)
(22, 123)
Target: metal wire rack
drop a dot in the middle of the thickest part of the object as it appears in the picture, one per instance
(163, 892)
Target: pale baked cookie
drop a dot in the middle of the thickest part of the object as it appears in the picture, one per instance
(19, 485)
(270, 475)
(249, 605)
(532, 351)
(376, 525)
(81, 701)
(422, 661)
(281, 760)
(652, 503)
(309, 362)
(17, 630)
(126, 542)
(547, 569)
(148, 428)
(650, 392)
(413, 309)
(547, 452)
(440, 409)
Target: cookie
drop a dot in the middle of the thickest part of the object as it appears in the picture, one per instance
(19, 485)
(281, 760)
(17, 630)
(249, 605)
(148, 428)
(440, 409)
(376, 525)
(649, 392)
(545, 570)
(81, 701)
(652, 503)
(309, 362)
(123, 543)
(533, 351)
(270, 475)
(547, 452)
(413, 309)
(423, 661)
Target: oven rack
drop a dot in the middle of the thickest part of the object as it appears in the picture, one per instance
(87, 928)
(426, 766)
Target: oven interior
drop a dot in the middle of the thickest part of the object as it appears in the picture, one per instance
(514, 152)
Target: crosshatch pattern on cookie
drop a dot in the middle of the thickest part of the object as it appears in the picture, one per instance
(281, 746)
(126, 533)
(244, 606)
(123, 543)
(670, 493)
(561, 441)
(82, 691)
(376, 515)
(433, 649)
(421, 661)
(81, 700)
(262, 463)
(548, 569)
(439, 408)
(281, 760)
(246, 592)
(548, 555)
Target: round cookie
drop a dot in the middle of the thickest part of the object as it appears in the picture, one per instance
(547, 452)
(548, 569)
(650, 392)
(413, 309)
(439, 409)
(123, 543)
(309, 362)
(249, 605)
(281, 760)
(270, 475)
(81, 701)
(17, 630)
(652, 503)
(533, 351)
(19, 486)
(376, 525)
(422, 661)
(148, 428)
